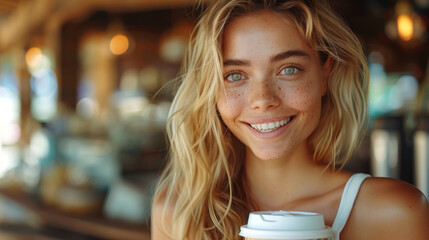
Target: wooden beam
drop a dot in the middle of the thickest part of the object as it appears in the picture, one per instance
(38, 14)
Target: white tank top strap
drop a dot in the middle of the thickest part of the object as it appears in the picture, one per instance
(347, 201)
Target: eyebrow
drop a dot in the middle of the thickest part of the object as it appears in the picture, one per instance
(236, 62)
(275, 58)
(288, 54)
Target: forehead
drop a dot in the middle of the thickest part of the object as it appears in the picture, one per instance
(263, 30)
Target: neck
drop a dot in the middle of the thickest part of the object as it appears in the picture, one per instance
(274, 184)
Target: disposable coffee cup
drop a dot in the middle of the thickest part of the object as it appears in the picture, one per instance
(286, 225)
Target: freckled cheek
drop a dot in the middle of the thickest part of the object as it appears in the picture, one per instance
(229, 105)
(302, 98)
(307, 103)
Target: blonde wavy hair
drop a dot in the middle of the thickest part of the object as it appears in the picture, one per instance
(202, 183)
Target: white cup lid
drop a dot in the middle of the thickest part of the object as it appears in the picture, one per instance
(285, 225)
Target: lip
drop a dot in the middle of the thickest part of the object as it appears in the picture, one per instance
(273, 134)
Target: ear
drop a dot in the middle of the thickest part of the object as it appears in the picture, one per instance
(327, 68)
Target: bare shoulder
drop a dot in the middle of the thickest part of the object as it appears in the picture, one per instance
(388, 209)
(160, 216)
(390, 192)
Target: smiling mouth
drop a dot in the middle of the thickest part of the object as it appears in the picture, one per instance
(270, 126)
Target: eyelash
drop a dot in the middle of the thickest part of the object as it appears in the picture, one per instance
(297, 70)
(232, 73)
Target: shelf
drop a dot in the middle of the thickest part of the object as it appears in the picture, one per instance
(95, 226)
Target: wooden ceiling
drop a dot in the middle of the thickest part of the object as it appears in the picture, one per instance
(8, 6)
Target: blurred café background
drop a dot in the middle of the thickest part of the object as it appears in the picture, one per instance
(82, 127)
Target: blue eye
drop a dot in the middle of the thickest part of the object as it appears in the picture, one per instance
(289, 71)
(233, 77)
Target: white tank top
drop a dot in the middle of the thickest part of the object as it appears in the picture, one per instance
(347, 201)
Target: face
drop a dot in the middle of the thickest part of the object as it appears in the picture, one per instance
(273, 82)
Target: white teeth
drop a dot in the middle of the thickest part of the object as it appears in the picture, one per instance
(271, 126)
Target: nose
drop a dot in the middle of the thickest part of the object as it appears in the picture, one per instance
(263, 95)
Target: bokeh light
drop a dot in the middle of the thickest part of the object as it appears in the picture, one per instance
(87, 107)
(44, 82)
(405, 27)
(10, 133)
(33, 56)
(119, 44)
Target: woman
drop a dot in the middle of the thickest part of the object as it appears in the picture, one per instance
(272, 100)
